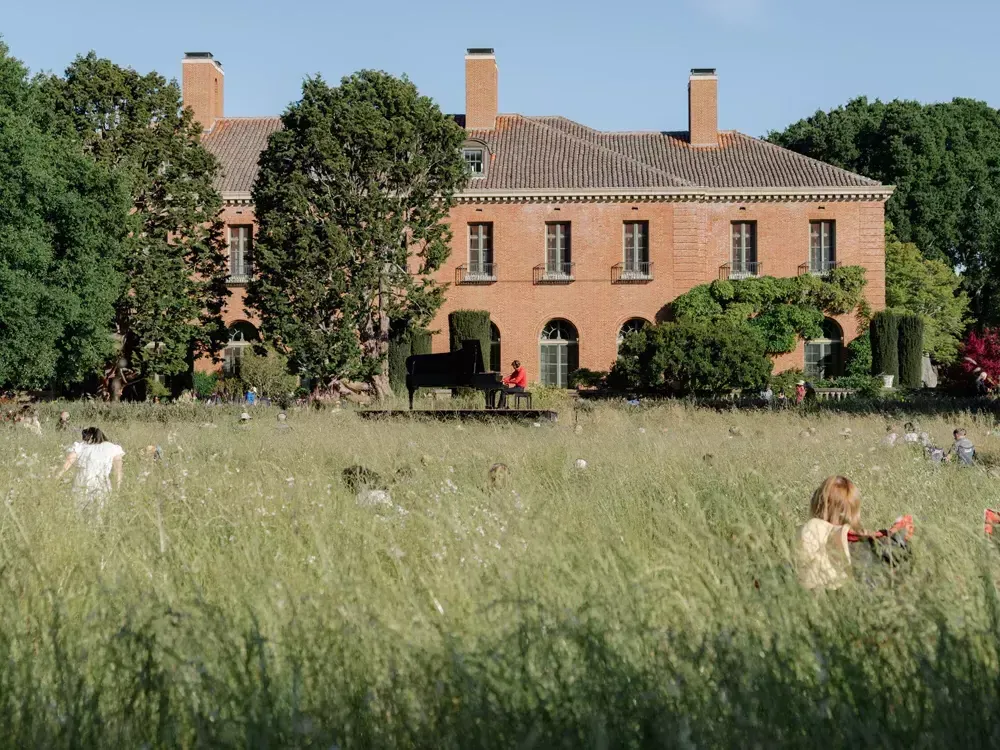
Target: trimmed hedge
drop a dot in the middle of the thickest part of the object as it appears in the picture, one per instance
(885, 344)
(402, 344)
(469, 324)
(421, 341)
(911, 351)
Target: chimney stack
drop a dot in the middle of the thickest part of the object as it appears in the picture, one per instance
(703, 108)
(480, 89)
(202, 87)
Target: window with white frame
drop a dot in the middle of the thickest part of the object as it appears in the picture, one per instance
(474, 161)
(558, 353)
(824, 356)
(636, 248)
(240, 245)
(242, 335)
(481, 249)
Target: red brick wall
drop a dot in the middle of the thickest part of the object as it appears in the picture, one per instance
(203, 87)
(480, 92)
(703, 111)
(688, 242)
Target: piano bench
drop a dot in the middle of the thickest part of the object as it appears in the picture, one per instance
(520, 396)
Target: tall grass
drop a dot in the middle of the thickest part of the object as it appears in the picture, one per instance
(236, 595)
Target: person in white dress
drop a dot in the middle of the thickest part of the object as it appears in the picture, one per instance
(95, 458)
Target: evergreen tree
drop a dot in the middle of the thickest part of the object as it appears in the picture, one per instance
(352, 198)
(174, 261)
(62, 221)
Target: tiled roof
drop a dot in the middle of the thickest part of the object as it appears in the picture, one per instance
(237, 143)
(553, 153)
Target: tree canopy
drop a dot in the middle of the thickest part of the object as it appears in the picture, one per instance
(930, 289)
(62, 223)
(777, 310)
(944, 160)
(174, 264)
(351, 198)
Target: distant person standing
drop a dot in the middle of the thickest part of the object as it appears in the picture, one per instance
(251, 397)
(96, 458)
(800, 392)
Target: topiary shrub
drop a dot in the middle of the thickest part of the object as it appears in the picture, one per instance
(884, 330)
(469, 324)
(692, 358)
(420, 340)
(400, 347)
(911, 351)
(859, 355)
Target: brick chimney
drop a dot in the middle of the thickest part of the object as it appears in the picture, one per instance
(202, 87)
(480, 89)
(703, 108)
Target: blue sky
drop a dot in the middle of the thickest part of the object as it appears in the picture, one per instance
(610, 65)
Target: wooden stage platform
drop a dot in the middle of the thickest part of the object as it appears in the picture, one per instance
(467, 415)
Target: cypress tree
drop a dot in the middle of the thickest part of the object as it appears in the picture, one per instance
(911, 351)
(885, 344)
(470, 324)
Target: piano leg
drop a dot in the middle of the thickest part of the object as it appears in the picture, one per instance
(412, 390)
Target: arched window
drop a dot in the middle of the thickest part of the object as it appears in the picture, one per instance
(559, 349)
(824, 357)
(495, 361)
(630, 326)
(241, 336)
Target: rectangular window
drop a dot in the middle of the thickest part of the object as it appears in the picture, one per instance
(822, 359)
(744, 249)
(558, 253)
(822, 246)
(240, 242)
(637, 248)
(481, 249)
(473, 160)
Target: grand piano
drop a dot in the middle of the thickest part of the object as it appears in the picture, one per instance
(459, 369)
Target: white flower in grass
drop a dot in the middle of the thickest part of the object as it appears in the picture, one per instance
(580, 463)
(642, 430)
(291, 481)
(437, 606)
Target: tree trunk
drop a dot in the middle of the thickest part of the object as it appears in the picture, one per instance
(380, 382)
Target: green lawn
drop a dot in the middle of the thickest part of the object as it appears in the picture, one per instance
(236, 595)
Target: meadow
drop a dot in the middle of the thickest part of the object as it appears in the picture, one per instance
(235, 594)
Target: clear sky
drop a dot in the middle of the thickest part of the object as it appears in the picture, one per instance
(611, 65)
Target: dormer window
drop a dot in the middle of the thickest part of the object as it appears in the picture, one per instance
(474, 160)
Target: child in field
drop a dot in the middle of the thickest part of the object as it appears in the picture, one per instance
(823, 554)
(96, 458)
(963, 449)
(825, 541)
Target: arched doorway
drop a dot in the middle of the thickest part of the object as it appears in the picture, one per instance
(630, 326)
(241, 336)
(559, 353)
(824, 356)
(496, 363)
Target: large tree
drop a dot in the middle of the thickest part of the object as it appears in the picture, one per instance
(62, 221)
(930, 289)
(351, 199)
(944, 160)
(174, 260)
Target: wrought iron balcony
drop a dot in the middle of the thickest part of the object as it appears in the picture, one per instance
(553, 273)
(818, 268)
(476, 273)
(740, 269)
(632, 273)
(239, 274)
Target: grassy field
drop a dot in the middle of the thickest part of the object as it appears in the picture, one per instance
(236, 594)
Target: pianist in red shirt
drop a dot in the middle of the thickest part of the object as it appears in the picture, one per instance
(516, 383)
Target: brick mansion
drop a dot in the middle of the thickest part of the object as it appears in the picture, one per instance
(571, 237)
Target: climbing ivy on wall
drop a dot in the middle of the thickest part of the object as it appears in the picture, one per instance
(778, 310)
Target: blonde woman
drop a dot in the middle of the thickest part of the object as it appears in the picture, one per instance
(824, 555)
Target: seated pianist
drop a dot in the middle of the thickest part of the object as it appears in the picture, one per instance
(516, 383)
